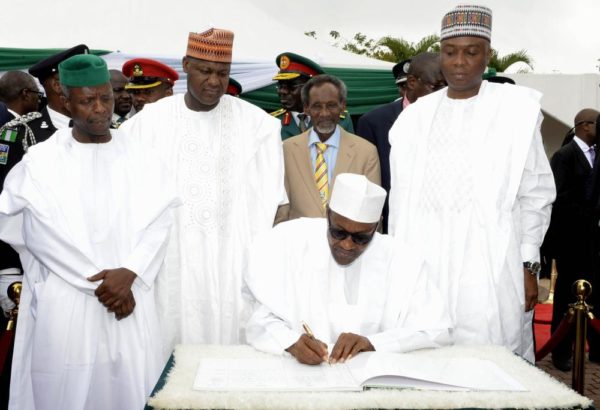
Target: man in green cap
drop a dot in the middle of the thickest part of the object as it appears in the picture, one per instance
(294, 72)
(90, 218)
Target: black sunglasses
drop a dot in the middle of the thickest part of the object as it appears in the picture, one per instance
(359, 238)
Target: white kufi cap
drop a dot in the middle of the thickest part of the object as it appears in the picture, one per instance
(357, 198)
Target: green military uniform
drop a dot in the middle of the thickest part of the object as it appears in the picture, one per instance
(289, 128)
(292, 66)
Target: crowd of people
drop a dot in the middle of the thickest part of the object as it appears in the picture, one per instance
(138, 219)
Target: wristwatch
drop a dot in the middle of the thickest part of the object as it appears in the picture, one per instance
(533, 267)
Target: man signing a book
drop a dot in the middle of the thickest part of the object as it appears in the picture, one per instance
(325, 289)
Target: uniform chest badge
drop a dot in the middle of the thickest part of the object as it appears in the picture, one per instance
(4, 154)
(44, 124)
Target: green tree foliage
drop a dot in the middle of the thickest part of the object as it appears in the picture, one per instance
(394, 49)
(502, 63)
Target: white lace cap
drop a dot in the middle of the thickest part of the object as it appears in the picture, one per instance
(357, 198)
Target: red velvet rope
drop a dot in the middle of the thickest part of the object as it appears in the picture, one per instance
(558, 335)
(595, 324)
(6, 342)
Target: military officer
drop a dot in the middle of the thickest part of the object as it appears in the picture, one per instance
(54, 115)
(294, 72)
(149, 81)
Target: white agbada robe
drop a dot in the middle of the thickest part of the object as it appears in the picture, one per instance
(472, 189)
(383, 295)
(73, 210)
(228, 167)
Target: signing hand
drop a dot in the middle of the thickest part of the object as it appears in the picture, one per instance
(115, 291)
(308, 350)
(349, 345)
(531, 290)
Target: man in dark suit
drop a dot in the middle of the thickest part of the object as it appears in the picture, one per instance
(573, 234)
(424, 76)
(54, 115)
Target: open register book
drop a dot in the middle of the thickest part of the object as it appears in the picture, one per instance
(366, 370)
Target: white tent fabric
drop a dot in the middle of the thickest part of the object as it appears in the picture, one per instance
(157, 29)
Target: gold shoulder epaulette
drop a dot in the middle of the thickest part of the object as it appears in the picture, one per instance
(278, 112)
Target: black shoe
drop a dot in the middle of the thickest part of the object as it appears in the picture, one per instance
(563, 364)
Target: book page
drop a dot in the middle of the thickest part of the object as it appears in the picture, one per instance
(462, 373)
(272, 374)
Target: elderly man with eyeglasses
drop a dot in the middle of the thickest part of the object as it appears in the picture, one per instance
(326, 289)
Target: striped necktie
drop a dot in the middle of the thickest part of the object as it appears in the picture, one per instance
(321, 177)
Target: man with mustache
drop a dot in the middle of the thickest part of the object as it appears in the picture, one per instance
(89, 213)
(314, 158)
(356, 289)
(472, 188)
(226, 158)
(294, 71)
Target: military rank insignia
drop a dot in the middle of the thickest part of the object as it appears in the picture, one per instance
(4, 154)
(8, 135)
(284, 62)
(137, 70)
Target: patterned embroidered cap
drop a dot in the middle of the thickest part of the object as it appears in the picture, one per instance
(467, 20)
(214, 44)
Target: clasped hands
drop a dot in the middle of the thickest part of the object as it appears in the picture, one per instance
(115, 291)
(309, 350)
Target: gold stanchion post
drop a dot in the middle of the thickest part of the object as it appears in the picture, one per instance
(581, 289)
(14, 293)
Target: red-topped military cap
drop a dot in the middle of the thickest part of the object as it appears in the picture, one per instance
(234, 88)
(148, 73)
(293, 66)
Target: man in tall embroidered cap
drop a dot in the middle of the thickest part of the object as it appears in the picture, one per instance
(55, 115)
(226, 157)
(294, 71)
(356, 289)
(149, 81)
(89, 212)
(472, 188)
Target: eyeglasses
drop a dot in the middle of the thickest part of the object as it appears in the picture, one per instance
(359, 238)
(433, 87)
(40, 95)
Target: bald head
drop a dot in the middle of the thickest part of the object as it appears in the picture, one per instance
(585, 125)
(19, 91)
(424, 76)
(12, 83)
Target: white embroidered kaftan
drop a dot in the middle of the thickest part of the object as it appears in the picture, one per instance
(472, 189)
(383, 295)
(228, 167)
(85, 208)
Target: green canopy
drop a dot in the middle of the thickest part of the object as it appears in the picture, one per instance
(367, 89)
(21, 58)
